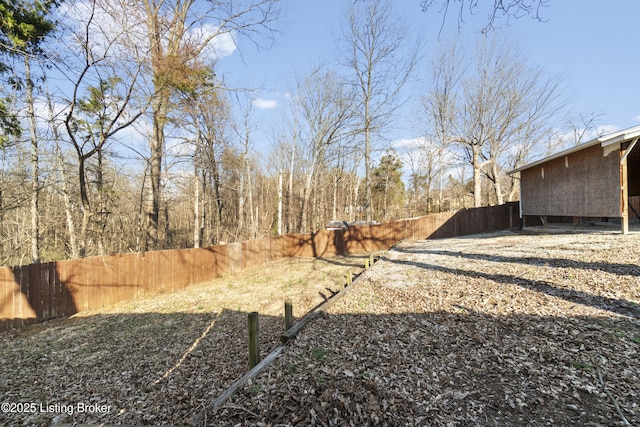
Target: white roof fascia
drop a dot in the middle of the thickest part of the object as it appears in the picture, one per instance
(619, 136)
(612, 142)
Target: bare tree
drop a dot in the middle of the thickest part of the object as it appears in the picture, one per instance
(439, 106)
(180, 36)
(530, 107)
(428, 161)
(501, 9)
(323, 104)
(243, 133)
(208, 113)
(96, 113)
(503, 107)
(375, 45)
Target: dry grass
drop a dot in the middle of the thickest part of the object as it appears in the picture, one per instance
(160, 359)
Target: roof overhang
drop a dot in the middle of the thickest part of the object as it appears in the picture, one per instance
(610, 143)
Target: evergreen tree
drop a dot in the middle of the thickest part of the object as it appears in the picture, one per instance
(23, 26)
(388, 188)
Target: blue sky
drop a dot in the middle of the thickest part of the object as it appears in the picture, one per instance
(591, 43)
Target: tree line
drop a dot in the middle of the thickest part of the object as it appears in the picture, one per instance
(118, 135)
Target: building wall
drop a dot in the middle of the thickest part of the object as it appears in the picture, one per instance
(584, 184)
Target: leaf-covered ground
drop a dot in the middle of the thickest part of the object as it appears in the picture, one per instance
(490, 330)
(501, 330)
(155, 360)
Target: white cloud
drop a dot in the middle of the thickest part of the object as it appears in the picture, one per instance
(265, 104)
(221, 45)
(410, 143)
(116, 29)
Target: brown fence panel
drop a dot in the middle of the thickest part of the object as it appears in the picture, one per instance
(202, 266)
(277, 248)
(298, 245)
(388, 234)
(68, 274)
(129, 276)
(221, 252)
(30, 285)
(235, 257)
(324, 244)
(356, 239)
(253, 252)
(634, 204)
(154, 265)
(25, 314)
(193, 263)
(179, 268)
(45, 291)
(63, 304)
(15, 310)
(474, 222)
(8, 288)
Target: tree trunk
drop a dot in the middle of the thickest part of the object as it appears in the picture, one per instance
(367, 171)
(240, 206)
(168, 234)
(496, 183)
(290, 216)
(334, 208)
(356, 192)
(35, 183)
(216, 189)
(198, 226)
(306, 198)
(252, 218)
(386, 192)
(197, 232)
(206, 236)
(64, 191)
(102, 208)
(279, 202)
(84, 205)
(477, 177)
(159, 111)
(515, 188)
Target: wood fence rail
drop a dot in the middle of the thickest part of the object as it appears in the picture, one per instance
(38, 292)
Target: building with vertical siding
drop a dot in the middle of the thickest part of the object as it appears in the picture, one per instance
(597, 179)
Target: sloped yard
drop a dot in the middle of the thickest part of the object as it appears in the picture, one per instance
(155, 360)
(501, 330)
(495, 330)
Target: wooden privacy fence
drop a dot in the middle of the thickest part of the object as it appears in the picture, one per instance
(39, 292)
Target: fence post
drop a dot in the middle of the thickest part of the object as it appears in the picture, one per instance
(371, 259)
(349, 278)
(288, 315)
(254, 342)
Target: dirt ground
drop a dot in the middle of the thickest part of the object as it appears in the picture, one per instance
(505, 329)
